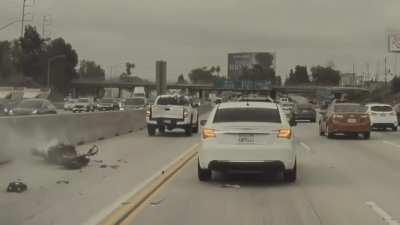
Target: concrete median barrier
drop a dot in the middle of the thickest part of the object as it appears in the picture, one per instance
(21, 133)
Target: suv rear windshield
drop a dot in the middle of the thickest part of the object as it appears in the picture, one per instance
(172, 101)
(247, 115)
(350, 108)
(382, 108)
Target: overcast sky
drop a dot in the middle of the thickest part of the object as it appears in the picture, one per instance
(196, 33)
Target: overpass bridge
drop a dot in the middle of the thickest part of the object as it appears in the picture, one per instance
(79, 86)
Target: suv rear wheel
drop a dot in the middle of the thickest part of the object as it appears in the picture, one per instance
(151, 130)
(203, 174)
(290, 175)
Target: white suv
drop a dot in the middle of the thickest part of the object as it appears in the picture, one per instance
(170, 112)
(247, 136)
(382, 116)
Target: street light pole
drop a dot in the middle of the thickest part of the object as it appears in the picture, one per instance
(49, 61)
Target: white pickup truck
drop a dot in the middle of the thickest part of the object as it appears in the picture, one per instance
(170, 112)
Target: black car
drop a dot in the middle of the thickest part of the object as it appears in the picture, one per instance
(305, 112)
(33, 107)
(107, 104)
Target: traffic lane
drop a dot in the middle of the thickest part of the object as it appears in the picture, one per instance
(369, 166)
(329, 190)
(90, 190)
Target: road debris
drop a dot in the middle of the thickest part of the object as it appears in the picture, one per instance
(17, 187)
(231, 186)
(62, 182)
(157, 202)
(122, 161)
(66, 155)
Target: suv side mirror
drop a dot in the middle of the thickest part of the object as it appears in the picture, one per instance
(203, 122)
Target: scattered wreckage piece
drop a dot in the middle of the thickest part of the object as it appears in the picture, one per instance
(17, 187)
(66, 155)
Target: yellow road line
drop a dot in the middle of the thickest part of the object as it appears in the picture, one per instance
(126, 213)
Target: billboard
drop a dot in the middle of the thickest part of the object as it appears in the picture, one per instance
(237, 62)
(394, 42)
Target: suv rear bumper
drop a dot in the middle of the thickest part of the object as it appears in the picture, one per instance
(383, 125)
(249, 166)
(211, 155)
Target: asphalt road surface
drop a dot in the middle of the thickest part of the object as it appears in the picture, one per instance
(341, 182)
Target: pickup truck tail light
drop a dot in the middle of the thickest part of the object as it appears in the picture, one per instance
(209, 133)
(285, 133)
(148, 113)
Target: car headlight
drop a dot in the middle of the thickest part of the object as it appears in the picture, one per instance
(5, 110)
(11, 112)
(35, 111)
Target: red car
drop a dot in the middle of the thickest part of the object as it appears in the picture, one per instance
(345, 118)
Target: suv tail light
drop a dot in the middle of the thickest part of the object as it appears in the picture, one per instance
(209, 133)
(285, 133)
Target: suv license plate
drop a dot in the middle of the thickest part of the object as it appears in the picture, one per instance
(352, 121)
(167, 121)
(246, 139)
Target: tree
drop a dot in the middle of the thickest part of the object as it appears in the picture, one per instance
(204, 75)
(298, 77)
(33, 55)
(7, 67)
(325, 75)
(63, 69)
(181, 79)
(90, 70)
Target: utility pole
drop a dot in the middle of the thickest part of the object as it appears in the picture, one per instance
(45, 23)
(385, 72)
(23, 17)
(24, 14)
(353, 82)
